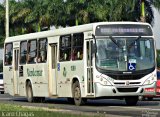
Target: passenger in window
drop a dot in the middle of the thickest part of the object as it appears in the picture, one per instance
(65, 56)
(74, 53)
(80, 55)
(43, 52)
(39, 59)
(28, 58)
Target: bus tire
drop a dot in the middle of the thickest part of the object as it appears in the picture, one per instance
(2, 92)
(29, 90)
(78, 100)
(131, 101)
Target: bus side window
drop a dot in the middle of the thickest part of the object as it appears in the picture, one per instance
(65, 48)
(77, 48)
(8, 53)
(32, 51)
(23, 52)
(42, 50)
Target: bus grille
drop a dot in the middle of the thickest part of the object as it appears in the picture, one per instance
(127, 90)
(127, 77)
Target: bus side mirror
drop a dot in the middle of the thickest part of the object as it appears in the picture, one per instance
(94, 48)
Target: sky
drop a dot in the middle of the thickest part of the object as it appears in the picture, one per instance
(156, 29)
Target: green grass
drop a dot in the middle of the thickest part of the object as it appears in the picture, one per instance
(7, 110)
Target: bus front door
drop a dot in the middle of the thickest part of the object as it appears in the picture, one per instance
(90, 89)
(53, 70)
(15, 71)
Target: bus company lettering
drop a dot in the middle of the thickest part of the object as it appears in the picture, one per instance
(34, 72)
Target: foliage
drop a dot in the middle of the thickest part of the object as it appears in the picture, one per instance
(27, 16)
(19, 111)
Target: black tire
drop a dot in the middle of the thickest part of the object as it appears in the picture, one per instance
(2, 92)
(131, 101)
(150, 98)
(78, 100)
(29, 92)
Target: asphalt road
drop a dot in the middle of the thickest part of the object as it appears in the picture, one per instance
(103, 107)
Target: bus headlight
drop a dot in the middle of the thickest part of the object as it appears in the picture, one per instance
(150, 80)
(104, 82)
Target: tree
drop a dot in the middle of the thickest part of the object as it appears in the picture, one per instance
(2, 18)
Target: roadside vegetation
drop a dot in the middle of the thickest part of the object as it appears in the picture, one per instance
(7, 110)
(27, 16)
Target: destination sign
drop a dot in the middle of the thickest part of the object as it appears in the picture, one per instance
(123, 30)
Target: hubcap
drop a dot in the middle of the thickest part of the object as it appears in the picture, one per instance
(77, 93)
(29, 92)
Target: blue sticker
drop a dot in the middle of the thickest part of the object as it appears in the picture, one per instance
(132, 64)
(58, 66)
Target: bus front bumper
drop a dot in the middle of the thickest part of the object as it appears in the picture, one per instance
(131, 90)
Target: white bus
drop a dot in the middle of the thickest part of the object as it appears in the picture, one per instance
(98, 60)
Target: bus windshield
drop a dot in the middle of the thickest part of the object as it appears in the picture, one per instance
(125, 53)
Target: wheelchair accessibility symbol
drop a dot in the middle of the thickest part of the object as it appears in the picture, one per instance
(132, 65)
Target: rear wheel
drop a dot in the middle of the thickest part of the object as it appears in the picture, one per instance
(131, 101)
(29, 92)
(2, 92)
(78, 100)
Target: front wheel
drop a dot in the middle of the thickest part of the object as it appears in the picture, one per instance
(131, 101)
(78, 100)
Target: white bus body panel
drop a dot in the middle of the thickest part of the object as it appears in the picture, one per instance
(58, 81)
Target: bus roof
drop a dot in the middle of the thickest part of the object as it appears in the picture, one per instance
(64, 31)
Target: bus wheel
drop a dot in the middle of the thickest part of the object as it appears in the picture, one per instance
(78, 100)
(131, 101)
(30, 97)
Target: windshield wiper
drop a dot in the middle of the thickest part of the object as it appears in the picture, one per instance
(139, 37)
(114, 41)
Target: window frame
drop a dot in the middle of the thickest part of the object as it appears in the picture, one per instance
(68, 48)
(29, 51)
(39, 50)
(78, 46)
(5, 61)
(23, 52)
